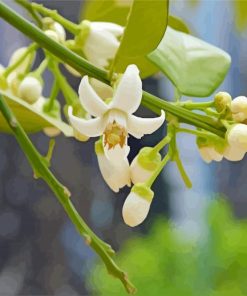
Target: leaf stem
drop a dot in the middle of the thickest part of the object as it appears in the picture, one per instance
(70, 26)
(27, 5)
(63, 195)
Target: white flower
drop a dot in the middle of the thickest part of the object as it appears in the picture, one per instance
(30, 89)
(102, 42)
(137, 205)
(16, 56)
(239, 109)
(103, 90)
(144, 165)
(209, 153)
(116, 175)
(237, 136)
(115, 121)
(234, 153)
(56, 32)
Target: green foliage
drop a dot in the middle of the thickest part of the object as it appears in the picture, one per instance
(146, 25)
(240, 7)
(195, 67)
(31, 119)
(164, 263)
(178, 24)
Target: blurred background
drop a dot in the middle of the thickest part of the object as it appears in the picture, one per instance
(192, 243)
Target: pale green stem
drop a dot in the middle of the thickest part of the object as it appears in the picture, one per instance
(164, 161)
(42, 67)
(53, 96)
(84, 67)
(181, 169)
(197, 105)
(70, 26)
(160, 145)
(12, 67)
(27, 5)
(63, 195)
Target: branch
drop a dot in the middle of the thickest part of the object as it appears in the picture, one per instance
(84, 67)
(63, 195)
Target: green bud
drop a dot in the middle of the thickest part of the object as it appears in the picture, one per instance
(143, 191)
(222, 101)
(147, 159)
(54, 111)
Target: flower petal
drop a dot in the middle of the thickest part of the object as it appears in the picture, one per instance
(116, 154)
(138, 126)
(128, 94)
(115, 29)
(91, 128)
(115, 175)
(90, 100)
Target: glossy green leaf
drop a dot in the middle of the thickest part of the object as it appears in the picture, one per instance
(178, 24)
(31, 119)
(145, 28)
(115, 11)
(195, 67)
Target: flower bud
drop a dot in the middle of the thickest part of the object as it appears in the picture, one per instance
(208, 154)
(239, 109)
(234, 153)
(144, 165)
(30, 89)
(237, 136)
(80, 137)
(59, 29)
(25, 63)
(52, 34)
(99, 41)
(137, 205)
(51, 131)
(222, 100)
(116, 175)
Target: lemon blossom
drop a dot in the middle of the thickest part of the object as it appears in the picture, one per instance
(209, 153)
(239, 109)
(116, 175)
(101, 42)
(137, 205)
(115, 120)
(144, 165)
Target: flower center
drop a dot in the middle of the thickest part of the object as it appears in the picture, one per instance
(114, 134)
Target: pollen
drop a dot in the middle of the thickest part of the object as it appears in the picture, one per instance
(114, 134)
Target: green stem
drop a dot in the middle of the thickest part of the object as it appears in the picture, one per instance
(12, 67)
(164, 161)
(181, 169)
(27, 5)
(53, 96)
(40, 70)
(84, 67)
(197, 106)
(70, 26)
(193, 132)
(161, 144)
(63, 195)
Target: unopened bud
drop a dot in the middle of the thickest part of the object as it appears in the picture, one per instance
(222, 100)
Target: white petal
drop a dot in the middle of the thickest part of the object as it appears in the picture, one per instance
(60, 31)
(91, 128)
(116, 154)
(138, 126)
(135, 209)
(115, 175)
(139, 174)
(234, 153)
(30, 89)
(115, 29)
(90, 100)
(237, 136)
(16, 55)
(128, 94)
(102, 89)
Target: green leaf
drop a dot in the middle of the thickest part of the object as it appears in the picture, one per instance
(241, 14)
(147, 22)
(195, 67)
(178, 24)
(31, 119)
(106, 11)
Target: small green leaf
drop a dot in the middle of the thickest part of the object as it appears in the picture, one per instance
(178, 24)
(31, 119)
(107, 11)
(145, 28)
(195, 67)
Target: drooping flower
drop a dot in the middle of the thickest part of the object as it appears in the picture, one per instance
(144, 165)
(239, 109)
(116, 175)
(115, 120)
(101, 42)
(137, 205)
(234, 153)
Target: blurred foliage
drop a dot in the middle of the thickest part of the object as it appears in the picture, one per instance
(240, 7)
(165, 263)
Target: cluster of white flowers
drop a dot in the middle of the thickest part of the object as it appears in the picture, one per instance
(113, 122)
(235, 145)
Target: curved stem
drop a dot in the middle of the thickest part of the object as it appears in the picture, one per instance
(27, 5)
(84, 67)
(63, 195)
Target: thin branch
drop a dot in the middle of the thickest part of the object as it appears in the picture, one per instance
(63, 195)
